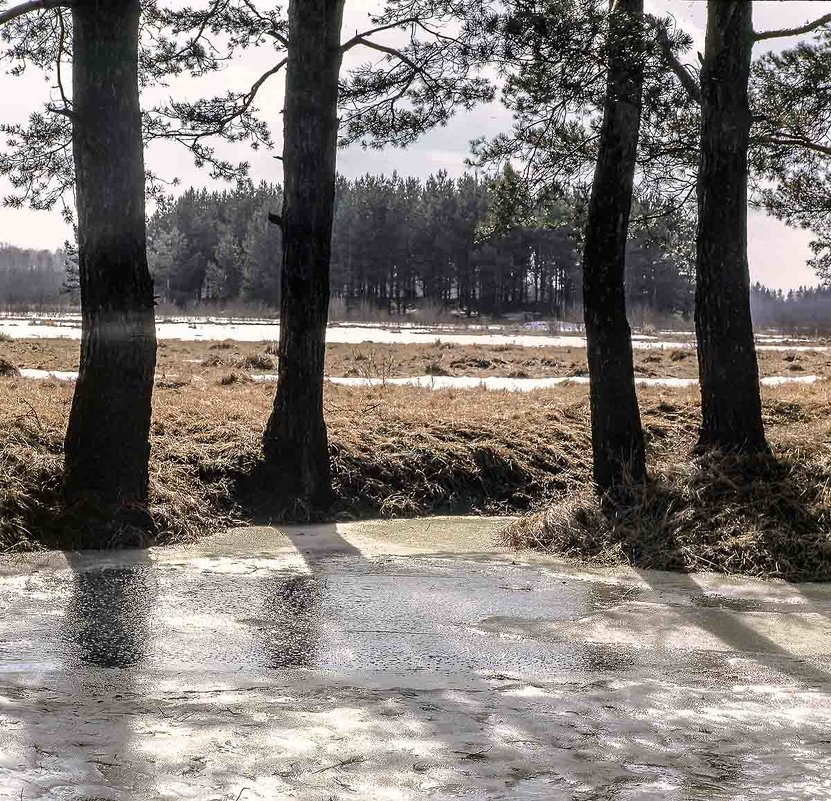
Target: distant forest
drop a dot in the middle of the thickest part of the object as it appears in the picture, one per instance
(31, 278)
(468, 246)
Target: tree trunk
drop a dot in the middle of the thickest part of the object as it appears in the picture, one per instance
(617, 435)
(107, 441)
(295, 438)
(730, 398)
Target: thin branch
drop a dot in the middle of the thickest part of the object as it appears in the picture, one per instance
(219, 125)
(795, 141)
(59, 60)
(389, 51)
(782, 32)
(358, 38)
(32, 5)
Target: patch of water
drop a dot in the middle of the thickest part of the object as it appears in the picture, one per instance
(490, 383)
(392, 678)
(498, 383)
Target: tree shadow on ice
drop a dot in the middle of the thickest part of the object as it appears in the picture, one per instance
(81, 732)
(484, 729)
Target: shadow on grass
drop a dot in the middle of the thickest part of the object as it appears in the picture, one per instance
(411, 484)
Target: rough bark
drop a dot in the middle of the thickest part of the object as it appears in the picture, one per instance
(295, 439)
(730, 398)
(107, 441)
(617, 434)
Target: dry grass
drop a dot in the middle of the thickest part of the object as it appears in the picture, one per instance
(763, 516)
(7, 368)
(404, 451)
(209, 360)
(395, 451)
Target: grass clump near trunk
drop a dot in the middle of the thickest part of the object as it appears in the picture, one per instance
(763, 515)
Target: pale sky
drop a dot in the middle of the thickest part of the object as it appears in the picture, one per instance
(777, 254)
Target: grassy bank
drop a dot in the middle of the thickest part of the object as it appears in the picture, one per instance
(395, 451)
(399, 451)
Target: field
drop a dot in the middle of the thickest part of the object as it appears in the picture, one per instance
(402, 451)
(212, 361)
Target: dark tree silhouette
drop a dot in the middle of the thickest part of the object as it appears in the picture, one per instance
(617, 435)
(107, 441)
(729, 372)
(295, 438)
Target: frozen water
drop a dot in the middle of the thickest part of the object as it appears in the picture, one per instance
(197, 329)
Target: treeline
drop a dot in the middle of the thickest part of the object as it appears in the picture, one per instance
(31, 278)
(398, 243)
(804, 310)
(472, 245)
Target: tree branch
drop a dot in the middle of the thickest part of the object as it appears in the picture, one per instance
(389, 51)
(785, 140)
(682, 73)
(359, 38)
(32, 5)
(278, 36)
(64, 112)
(782, 32)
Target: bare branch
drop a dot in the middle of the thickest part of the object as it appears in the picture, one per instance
(389, 51)
(359, 38)
(783, 32)
(786, 140)
(278, 36)
(65, 112)
(59, 60)
(32, 5)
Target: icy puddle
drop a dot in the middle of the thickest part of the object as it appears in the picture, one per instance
(403, 660)
(195, 329)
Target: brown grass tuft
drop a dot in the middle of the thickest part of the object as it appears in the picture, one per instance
(757, 516)
(233, 377)
(7, 368)
(256, 361)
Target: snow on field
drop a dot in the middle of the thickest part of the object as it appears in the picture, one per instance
(531, 384)
(42, 375)
(491, 383)
(197, 329)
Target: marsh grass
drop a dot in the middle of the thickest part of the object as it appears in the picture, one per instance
(397, 360)
(402, 451)
(766, 515)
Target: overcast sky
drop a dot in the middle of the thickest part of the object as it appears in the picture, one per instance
(777, 253)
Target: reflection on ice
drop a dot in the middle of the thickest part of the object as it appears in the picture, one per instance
(106, 623)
